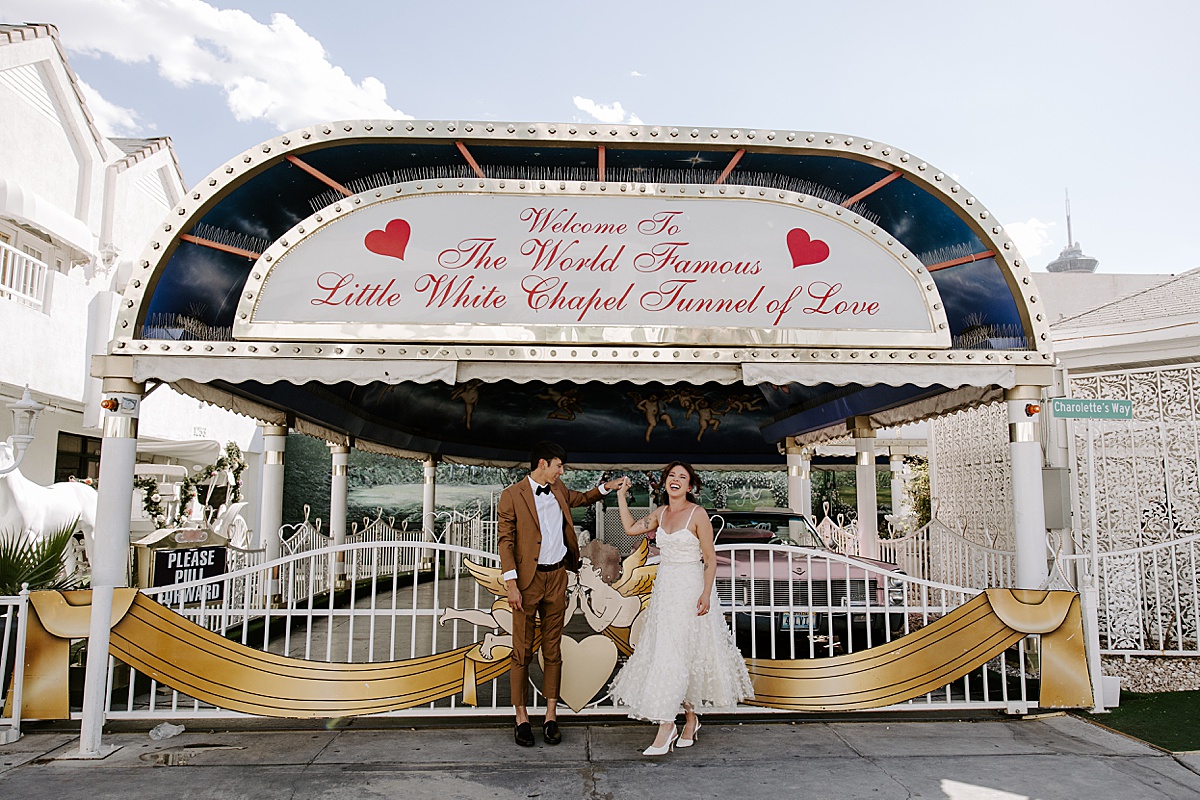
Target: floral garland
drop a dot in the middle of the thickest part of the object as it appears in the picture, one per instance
(232, 462)
(151, 499)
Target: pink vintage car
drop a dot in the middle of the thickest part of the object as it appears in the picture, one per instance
(790, 596)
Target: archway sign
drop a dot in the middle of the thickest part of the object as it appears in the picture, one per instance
(635, 292)
(482, 264)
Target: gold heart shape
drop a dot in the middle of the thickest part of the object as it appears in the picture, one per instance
(587, 666)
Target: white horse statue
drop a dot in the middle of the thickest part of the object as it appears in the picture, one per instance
(36, 511)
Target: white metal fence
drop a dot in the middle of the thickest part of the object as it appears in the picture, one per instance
(842, 535)
(14, 612)
(387, 613)
(302, 536)
(1149, 597)
(22, 277)
(937, 553)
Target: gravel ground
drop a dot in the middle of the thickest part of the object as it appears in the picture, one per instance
(1154, 673)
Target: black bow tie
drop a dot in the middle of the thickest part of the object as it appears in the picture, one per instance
(542, 489)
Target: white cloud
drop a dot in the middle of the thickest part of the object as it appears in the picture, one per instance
(110, 118)
(636, 74)
(1032, 237)
(275, 72)
(614, 113)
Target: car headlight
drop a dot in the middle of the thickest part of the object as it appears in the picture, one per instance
(895, 592)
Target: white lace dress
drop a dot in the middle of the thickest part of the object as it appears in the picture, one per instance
(681, 657)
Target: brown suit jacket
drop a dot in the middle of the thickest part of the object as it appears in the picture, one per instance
(519, 534)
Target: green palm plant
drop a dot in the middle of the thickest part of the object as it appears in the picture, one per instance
(36, 563)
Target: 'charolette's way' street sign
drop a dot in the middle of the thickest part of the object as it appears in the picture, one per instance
(1088, 408)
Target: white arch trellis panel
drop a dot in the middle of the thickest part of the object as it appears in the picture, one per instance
(974, 489)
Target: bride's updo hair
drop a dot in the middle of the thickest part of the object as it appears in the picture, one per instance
(693, 480)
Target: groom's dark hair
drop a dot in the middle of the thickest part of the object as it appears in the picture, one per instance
(546, 451)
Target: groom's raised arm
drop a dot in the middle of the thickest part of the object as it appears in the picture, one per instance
(576, 499)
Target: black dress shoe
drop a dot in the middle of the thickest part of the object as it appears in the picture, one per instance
(524, 734)
(550, 732)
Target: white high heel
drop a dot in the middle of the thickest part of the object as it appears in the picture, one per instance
(689, 742)
(666, 748)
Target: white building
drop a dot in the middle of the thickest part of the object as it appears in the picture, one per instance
(75, 209)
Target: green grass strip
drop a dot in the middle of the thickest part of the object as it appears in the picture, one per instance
(1166, 719)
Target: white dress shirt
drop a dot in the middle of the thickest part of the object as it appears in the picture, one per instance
(550, 520)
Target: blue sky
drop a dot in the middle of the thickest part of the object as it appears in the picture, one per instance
(1018, 100)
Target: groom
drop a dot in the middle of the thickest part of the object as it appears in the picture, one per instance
(537, 546)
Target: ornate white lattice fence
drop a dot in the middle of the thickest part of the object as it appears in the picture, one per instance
(972, 483)
(1143, 482)
(1146, 477)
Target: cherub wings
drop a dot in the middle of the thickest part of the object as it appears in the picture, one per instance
(637, 577)
(487, 577)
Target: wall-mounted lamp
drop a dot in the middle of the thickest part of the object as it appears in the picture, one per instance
(25, 414)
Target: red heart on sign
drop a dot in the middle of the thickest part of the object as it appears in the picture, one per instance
(391, 241)
(804, 249)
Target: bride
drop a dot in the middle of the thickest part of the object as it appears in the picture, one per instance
(684, 656)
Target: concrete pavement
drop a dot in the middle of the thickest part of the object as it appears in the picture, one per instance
(1052, 758)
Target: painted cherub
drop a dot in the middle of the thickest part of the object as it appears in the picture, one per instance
(654, 409)
(499, 618)
(706, 415)
(469, 394)
(612, 609)
(615, 607)
(566, 404)
(741, 404)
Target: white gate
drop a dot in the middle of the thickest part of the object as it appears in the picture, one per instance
(391, 611)
(1149, 597)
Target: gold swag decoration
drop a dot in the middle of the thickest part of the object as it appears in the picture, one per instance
(212, 669)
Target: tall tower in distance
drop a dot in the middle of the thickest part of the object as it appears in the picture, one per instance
(1072, 259)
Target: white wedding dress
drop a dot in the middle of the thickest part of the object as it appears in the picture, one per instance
(681, 657)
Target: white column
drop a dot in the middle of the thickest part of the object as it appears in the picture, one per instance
(1058, 448)
(1029, 514)
(864, 479)
(274, 442)
(338, 492)
(900, 505)
(110, 552)
(799, 481)
(429, 497)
